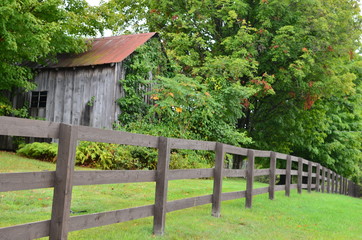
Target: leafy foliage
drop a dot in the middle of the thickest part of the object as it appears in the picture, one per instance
(42, 151)
(281, 75)
(193, 112)
(297, 57)
(35, 31)
(147, 61)
(113, 156)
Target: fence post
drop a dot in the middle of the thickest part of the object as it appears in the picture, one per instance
(337, 185)
(218, 175)
(161, 186)
(309, 176)
(358, 191)
(300, 175)
(249, 179)
(328, 181)
(333, 177)
(345, 186)
(350, 187)
(62, 196)
(273, 165)
(323, 178)
(287, 175)
(347, 189)
(317, 178)
(342, 186)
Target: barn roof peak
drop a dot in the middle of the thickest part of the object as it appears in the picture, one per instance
(104, 50)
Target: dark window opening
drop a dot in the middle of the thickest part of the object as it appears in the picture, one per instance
(38, 99)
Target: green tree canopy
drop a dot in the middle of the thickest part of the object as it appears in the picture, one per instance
(297, 57)
(34, 30)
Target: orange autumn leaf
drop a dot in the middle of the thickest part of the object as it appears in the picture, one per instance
(154, 97)
(171, 94)
(178, 109)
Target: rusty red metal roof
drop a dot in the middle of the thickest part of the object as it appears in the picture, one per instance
(104, 50)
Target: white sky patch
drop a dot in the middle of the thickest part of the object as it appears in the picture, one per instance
(107, 32)
(93, 2)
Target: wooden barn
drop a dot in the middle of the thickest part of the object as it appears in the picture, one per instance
(82, 89)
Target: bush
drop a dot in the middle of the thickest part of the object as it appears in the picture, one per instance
(39, 150)
(185, 159)
(113, 156)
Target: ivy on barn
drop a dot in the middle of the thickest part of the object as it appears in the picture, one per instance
(142, 69)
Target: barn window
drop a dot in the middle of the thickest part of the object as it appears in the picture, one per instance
(38, 99)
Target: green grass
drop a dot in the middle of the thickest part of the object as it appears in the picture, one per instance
(305, 216)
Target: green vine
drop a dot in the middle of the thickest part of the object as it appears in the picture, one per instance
(91, 101)
(142, 68)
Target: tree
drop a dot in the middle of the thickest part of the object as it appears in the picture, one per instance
(299, 58)
(188, 39)
(314, 64)
(35, 31)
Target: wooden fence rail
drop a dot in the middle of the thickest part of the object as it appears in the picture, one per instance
(64, 178)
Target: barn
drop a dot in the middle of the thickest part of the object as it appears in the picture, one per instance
(82, 89)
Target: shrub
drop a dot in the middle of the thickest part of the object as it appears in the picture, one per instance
(185, 159)
(113, 156)
(39, 150)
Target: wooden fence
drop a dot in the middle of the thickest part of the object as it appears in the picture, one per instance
(64, 178)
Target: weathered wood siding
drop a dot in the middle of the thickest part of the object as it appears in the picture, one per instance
(70, 94)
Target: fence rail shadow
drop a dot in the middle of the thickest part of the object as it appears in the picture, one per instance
(65, 177)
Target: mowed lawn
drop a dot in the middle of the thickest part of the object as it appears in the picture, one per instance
(300, 216)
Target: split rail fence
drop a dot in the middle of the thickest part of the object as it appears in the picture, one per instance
(64, 177)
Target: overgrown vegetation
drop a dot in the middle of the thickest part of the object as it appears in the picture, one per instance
(113, 156)
(42, 151)
(279, 75)
(141, 66)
